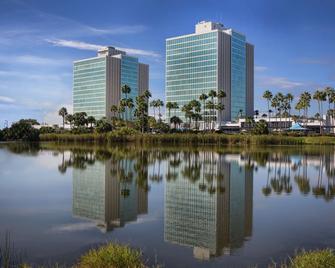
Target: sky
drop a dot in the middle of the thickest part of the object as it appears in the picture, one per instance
(39, 39)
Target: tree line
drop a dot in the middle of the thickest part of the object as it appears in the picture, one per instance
(282, 104)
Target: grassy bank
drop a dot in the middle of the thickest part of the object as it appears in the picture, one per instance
(189, 138)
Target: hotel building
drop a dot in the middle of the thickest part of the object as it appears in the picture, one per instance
(97, 81)
(212, 58)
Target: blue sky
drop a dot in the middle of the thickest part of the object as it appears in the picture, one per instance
(294, 44)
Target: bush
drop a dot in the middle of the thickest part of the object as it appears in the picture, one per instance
(2, 136)
(80, 130)
(314, 259)
(261, 128)
(103, 126)
(125, 131)
(111, 256)
(44, 130)
(21, 130)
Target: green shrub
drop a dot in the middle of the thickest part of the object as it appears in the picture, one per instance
(21, 130)
(314, 259)
(81, 130)
(103, 126)
(111, 256)
(44, 130)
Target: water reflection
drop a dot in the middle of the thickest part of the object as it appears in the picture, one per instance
(204, 196)
(209, 204)
(281, 169)
(107, 189)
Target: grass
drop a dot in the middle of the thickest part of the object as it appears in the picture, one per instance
(324, 258)
(111, 256)
(189, 138)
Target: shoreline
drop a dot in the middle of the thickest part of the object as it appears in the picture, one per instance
(189, 138)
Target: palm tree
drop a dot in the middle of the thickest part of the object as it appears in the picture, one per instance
(305, 99)
(268, 96)
(69, 119)
(126, 90)
(175, 120)
(221, 95)
(122, 107)
(289, 97)
(330, 92)
(114, 110)
(320, 96)
(62, 112)
(130, 105)
(212, 94)
(153, 105)
(169, 106)
(159, 104)
(279, 100)
(187, 109)
(91, 120)
(219, 107)
(146, 94)
(203, 97)
(175, 107)
(210, 106)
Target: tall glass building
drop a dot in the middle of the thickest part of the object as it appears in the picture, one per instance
(97, 81)
(212, 58)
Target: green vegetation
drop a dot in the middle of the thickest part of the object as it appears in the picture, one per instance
(310, 259)
(22, 130)
(111, 256)
(125, 134)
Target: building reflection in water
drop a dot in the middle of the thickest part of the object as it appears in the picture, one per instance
(107, 192)
(213, 212)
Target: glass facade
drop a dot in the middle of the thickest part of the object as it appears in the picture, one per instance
(89, 87)
(191, 68)
(129, 76)
(238, 75)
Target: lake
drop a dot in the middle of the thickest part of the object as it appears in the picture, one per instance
(183, 207)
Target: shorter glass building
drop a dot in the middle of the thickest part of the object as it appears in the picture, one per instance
(213, 58)
(97, 82)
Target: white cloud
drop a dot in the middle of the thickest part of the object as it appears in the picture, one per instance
(88, 46)
(74, 44)
(118, 29)
(260, 68)
(277, 82)
(6, 100)
(33, 60)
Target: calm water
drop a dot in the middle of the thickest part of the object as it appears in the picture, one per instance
(184, 207)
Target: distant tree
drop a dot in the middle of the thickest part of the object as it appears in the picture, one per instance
(159, 104)
(114, 110)
(153, 105)
(141, 112)
(79, 119)
(91, 120)
(169, 106)
(203, 97)
(212, 94)
(261, 128)
(63, 112)
(102, 125)
(69, 119)
(320, 96)
(268, 96)
(176, 121)
(21, 130)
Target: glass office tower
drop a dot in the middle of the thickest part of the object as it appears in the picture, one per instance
(213, 58)
(97, 82)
